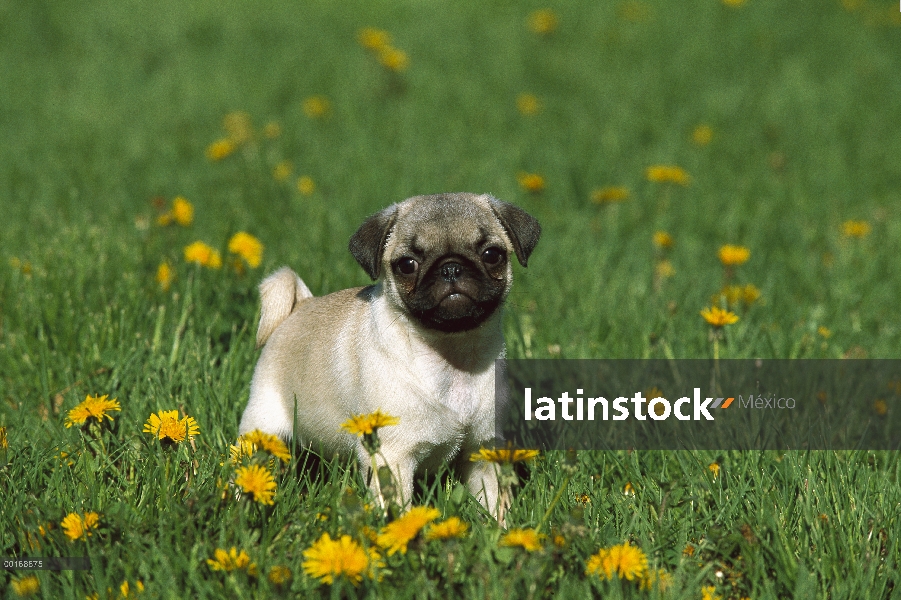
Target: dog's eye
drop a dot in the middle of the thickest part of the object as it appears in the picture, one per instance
(492, 256)
(407, 265)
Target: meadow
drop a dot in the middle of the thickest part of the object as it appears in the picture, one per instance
(644, 135)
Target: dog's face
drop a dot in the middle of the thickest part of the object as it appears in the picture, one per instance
(446, 257)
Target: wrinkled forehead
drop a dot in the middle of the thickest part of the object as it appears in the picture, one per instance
(447, 222)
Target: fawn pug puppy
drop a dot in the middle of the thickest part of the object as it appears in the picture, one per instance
(419, 344)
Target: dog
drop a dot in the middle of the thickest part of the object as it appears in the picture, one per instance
(419, 344)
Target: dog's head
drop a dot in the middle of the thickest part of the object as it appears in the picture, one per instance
(446, 257)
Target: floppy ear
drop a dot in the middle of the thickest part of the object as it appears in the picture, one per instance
(368, 244)
(522, 228)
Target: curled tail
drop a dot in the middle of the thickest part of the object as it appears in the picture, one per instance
(279, 294)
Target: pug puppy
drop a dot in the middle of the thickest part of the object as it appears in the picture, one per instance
(419, 344)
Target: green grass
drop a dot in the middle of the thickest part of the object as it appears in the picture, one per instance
(107, 105)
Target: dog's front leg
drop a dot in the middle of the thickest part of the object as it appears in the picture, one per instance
(481, 479)
(396, 488)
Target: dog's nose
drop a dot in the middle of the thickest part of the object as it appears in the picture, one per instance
(451, 271)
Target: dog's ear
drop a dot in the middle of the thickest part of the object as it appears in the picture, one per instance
(368, 244)
(522, 228)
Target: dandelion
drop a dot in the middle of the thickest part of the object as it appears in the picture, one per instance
(265, 441)
(25, 586)
(530, 182)
(317, 107)
(169, 429)
(625, 561)
(279, 575)
(238, 126)
(258, 482)
(220, 149)
(688, 550)
(583, 499)
(714, 468)
(182, 211)
(709, 593)
(125, 589)
(247, 247)
(880, 407)
(702, 135)
(856, 229)
(527, 104)
(204, 255)
(306, 185)
(231, 560)
(76, 527)
(628, 489)
(395, 536)
(504, 455)
(373, 39)
(824, 332)
(165, 276)
(750, 294)
(282, 170)
(272, 130)
(542, 21)
(393, 59)
(328, 559)
(718, 317)
(663, 240)
(610, 194)
(733, 255)
(667, 174)
(664, 269)
(361, 425)
(450, 528)
(660, 578)
(529, 539)
(93, 406)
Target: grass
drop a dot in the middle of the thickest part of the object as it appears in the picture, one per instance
(108, 105)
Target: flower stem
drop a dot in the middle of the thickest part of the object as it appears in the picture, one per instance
(554, 502)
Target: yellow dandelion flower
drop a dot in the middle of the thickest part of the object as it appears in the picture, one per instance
(204, 255)
(168, 428)
(663, 240)
(733, 255)
(272, 130)
(243, 449)
(361, 425)
(393, 59)
(125, 589)
(258, 482)
(93, 406)
(750, 294)
(688, 550)
(856, 229)
(395, 536)
(504, 455)
(880, 407)
(282, 170)
(247, 247)
(328, 559)
(664, 269)
(530, 182)
(583, 499)
(610, 194)
(702, 135)
(824, 332)
(238, 126)
(709, 593)
(220, 149)
(450, 528)
(718, 317)
(268, 442)
(373, 39)
(26, 586)
(182, 211)
(317, 107)
(714, 468)
(624, 561)
(76, 526)
(542, 21)
(629, 489)
(524, 538)
(165, 276)
(231, 560)
(667, 174)
(279, 575)
(306, 185)
(528, 104)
